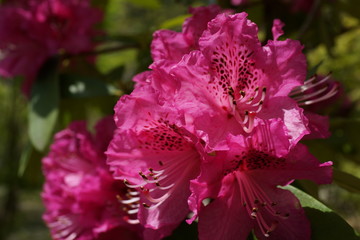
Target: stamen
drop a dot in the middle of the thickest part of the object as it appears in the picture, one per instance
(131, 200)
(132, 186)
(314, 91)
(251, 192)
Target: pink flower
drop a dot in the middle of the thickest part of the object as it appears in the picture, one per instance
(153, 154)
(232, 80)
(242, 185)
(82, 199)
(171, 46)
(32, 31)
(239, 2)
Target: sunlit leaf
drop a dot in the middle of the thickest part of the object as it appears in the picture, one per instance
(174, 22)
(44, 105)
(325, 223)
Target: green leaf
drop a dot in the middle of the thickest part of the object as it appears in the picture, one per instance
(44, 105)
(76, 86)
(174, 22)
(347, 181)
(325, 223)
(24, 159)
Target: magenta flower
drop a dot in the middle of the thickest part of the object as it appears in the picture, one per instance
(154, 155)
(232, 80)
(242, 185)
(171, 46)
(32, 31)
(82, 199)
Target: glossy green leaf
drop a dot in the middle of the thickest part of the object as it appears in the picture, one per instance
(347, 181)
(325, 223)
(76, 86)
(44, 105)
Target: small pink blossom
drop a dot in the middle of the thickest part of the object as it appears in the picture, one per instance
(242, 185)
(32, 31)
(153, 154)
(82, 199)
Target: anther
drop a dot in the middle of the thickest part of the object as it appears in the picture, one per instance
(145, 205)
(143, 175)
(161, 163)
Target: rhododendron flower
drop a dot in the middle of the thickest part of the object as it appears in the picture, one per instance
(232, 80)
(32, 31)
(242, 184)
(153, 154)
(82, 199)
(171, 46)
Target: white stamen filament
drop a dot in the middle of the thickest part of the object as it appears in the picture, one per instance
(310, 95)
(133, 221)
(325, 92)
(133, 211)
(331, 93)
(131, 200)
(255, 201)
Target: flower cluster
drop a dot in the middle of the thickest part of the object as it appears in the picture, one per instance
(209, 134)
(213, 129)
(33, 30)
(80, 195)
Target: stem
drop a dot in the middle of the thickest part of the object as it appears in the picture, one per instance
(11, 164)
